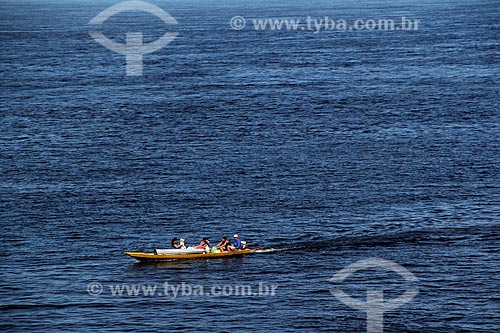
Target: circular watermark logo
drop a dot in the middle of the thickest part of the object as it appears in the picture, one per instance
(375, 305)
(94, 288)
(238, 23)
(134, 48)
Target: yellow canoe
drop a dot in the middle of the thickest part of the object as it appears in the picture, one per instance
(142, 256)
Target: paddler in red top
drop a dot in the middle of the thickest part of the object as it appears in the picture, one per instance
(203, 245)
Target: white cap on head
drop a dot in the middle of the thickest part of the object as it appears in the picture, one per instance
(235, 236)
(243, 242)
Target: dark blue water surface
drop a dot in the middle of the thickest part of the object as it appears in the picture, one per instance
(327, 147)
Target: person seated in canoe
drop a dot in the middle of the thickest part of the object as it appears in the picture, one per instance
(243, 245)
(204, 244)
(223, 245)
(175, 243)
(181, 244)
(236, 245)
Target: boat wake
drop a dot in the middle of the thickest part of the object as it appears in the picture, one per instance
(272, 249)
(267, 250)
(439, 236)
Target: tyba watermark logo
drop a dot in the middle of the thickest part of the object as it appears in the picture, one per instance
(134, 49)
(375, 305)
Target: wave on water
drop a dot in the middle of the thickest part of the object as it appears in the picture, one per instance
(15, 307)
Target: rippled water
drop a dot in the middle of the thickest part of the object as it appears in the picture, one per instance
(322, 148)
